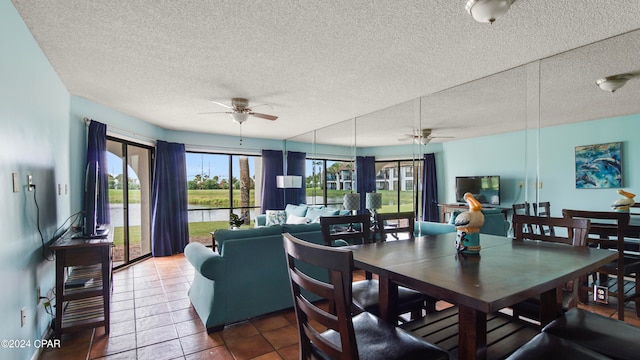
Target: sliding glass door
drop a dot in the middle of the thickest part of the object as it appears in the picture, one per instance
(130, 168)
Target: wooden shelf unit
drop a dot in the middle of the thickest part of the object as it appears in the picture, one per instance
(83, 283)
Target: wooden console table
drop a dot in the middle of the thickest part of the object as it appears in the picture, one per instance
(447, 209)
(83, 282)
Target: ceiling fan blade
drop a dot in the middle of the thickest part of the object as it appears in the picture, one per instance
(263, 116)
(222, 104)
(215, 112)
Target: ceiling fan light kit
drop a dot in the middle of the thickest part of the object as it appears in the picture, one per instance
(239, 117)
(487, 11)
(614, 82)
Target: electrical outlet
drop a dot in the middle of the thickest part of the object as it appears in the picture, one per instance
(38, 295)
(59, 189)
(601, 294)
(30, 182)
(66, 189)
(23, 317)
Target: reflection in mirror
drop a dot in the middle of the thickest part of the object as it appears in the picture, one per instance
(487, 119)
(330, 160)
(389, 135)
(575, 112)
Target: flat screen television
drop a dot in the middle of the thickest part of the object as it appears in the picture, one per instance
(486, 189)
(90, 208)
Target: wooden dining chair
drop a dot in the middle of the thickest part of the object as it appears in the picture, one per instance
(335, 228)
(607, 231)
(366, 292)
(577, 231)
(543, 209)
(522, 209)
(396, 223)
(339, 334)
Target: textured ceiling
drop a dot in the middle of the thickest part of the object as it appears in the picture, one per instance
(319, 63)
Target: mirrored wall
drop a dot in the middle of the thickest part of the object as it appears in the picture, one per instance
(522, 125)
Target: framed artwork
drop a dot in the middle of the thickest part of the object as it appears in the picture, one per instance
(599, 166)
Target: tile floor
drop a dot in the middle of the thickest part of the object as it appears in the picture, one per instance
(152, 318)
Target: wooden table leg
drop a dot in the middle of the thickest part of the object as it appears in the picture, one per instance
(388, 301)
(550, 308)
(472, 333)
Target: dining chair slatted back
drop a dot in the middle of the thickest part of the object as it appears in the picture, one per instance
(543, 209)
(332, 334)
(396, 223)
(577, 231)
(335, 228)
(607, 231)
(522, 209)
(309, 315)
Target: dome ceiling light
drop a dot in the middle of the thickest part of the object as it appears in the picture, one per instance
(613, 83)
(487, 11)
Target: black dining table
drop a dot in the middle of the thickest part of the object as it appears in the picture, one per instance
(505, 272)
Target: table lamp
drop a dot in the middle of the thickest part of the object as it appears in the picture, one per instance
(351, 202)
(373, 202)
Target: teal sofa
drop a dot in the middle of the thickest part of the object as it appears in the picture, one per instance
(494, 222)
(248, 275)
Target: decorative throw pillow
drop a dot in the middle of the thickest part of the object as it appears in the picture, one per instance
(293, 219)
(275, 217)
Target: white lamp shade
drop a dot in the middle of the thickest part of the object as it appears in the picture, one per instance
(373, 201)
(487, 11)
(351, 201)
(289, 181)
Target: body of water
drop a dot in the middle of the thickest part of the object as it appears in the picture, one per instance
(196, 214)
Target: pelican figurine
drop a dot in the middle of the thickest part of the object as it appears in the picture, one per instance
(625, 202)
(468, 224)
(472, 219)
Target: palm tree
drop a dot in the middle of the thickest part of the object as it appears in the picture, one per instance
(245, 188)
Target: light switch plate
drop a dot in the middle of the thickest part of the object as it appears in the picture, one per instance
(15, 183)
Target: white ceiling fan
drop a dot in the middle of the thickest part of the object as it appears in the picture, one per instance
(423, 136)
(240, 110)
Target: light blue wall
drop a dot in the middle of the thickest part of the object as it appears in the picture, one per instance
(489, 155)
(34, 139)
(503, 155)
(557, 162)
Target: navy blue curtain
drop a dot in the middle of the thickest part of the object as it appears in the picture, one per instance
(272, 166)
(169, 220)
(97, 151)
(365, 179)
(296, 162)
(429, 189)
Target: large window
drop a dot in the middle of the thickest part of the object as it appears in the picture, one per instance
(328, 180)
(395, 181)
(218, 185)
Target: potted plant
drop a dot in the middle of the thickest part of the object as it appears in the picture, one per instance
(235, 221)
